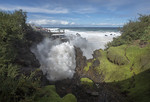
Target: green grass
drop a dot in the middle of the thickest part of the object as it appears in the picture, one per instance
(135, 55)
(86, 81)
(145, 62)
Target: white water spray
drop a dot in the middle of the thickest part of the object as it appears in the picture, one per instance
(57, 59)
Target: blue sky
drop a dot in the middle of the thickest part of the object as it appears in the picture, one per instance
(79, 12)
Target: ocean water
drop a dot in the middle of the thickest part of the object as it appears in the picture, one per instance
(96, 36)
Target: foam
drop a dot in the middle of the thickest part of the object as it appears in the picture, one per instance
(98, 39)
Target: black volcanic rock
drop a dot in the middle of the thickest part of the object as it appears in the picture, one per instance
(80, 61)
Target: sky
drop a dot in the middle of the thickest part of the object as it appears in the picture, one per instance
(86, 13)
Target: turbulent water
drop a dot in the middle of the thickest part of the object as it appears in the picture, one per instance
(97, 36)
(57, 58)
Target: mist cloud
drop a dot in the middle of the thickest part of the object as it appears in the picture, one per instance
(57, 58)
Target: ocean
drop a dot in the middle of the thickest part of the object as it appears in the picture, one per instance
(97, 36)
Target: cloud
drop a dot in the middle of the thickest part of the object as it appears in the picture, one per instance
(46, 22)
(107, 24)
(40, 16)
(72, 23)
(85, 9)
(40, 9)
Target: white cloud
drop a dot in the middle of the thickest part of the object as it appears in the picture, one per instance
(40, 16)
(72, 23)
(40, 9)
(107, 24)
(85, 9)
(47, 22)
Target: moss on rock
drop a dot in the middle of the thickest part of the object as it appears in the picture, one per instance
(86, 81)
(69, 98)
(86, 68)
(117, 55)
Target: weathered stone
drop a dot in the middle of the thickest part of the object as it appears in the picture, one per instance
(96, 54)
(96, 63)
(80, 61)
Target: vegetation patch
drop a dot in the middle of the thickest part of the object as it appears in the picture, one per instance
(86, 81)
(86, 68)
(134, 30)
(117, 55)
(130, 69)
(136, 56)
(69, 98)
(49, 94)
(111, 71)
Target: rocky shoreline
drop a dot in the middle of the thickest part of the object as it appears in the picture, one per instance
(100, 92)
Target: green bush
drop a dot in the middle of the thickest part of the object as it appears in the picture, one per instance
(69, 98)
(12, 30)
(15, 87)
(133, 30)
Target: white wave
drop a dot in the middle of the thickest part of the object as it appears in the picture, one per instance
(97, 38)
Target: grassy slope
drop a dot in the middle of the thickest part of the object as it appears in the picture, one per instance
(138, 87)
(112, 70)
(132, 76)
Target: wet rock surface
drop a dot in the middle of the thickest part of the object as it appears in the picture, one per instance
(96, 63)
